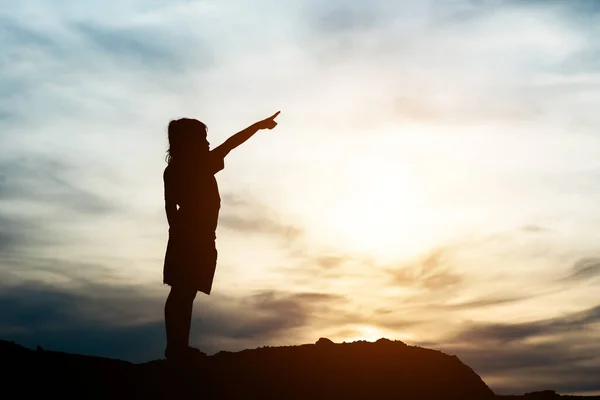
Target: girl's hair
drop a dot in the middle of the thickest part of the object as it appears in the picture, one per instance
(181, 133)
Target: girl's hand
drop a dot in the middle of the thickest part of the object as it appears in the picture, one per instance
(268, 123)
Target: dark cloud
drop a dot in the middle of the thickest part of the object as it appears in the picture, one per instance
(503, 333)
(521, 357)
(559, 353)
(86, 319)
(564, 365)
(125, 321)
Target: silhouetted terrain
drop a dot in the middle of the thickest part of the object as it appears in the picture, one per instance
(325, 370)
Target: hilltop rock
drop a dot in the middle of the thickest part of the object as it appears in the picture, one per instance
(324, 342)
(325, 370)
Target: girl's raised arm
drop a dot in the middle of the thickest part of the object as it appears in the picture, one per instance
(240, 137)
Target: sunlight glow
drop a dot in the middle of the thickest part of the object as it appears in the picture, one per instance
(366, 333)
(378, 212)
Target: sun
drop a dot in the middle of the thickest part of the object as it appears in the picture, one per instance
(366, 333)
(369, 333)
(379, 212)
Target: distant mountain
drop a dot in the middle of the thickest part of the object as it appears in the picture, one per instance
(325, 370)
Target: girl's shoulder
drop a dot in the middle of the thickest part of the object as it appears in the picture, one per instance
(168, 172)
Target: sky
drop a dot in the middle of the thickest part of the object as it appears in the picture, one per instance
(434, 177)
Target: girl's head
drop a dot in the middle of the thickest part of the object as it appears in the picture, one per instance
(187, 137)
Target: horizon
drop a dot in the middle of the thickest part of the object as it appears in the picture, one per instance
(433, 177)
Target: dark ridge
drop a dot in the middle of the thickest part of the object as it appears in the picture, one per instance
(325, 370)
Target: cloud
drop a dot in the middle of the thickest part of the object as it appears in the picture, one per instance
(330, 261)
(260, 224)
(310, 265)
(430, 274)
(45, 180)
(485, 302)
(18, 233)
(534, 229)
(248, 215)
(126, 321)
(276, 314)
(558, 353)
(85, 74)
(348, 18)
(131, 45)
(520, 368)
(584, 270)
(42, 199)
(81, 317)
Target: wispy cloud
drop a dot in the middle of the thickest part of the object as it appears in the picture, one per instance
(485, 302)
(430, 274)
(260, 224)
(45, 181)
(584, 270)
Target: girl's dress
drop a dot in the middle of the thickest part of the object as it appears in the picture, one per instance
(191, 254)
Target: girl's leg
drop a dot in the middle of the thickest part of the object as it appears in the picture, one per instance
(178, 319)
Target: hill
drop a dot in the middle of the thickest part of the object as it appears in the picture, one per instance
(325, 370)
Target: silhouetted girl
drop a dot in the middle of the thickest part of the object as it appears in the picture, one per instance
(192, 204)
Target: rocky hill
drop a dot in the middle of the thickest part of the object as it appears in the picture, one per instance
(325, 370)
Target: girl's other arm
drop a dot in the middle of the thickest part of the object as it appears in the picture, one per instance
(170, 202)
(171, 210)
